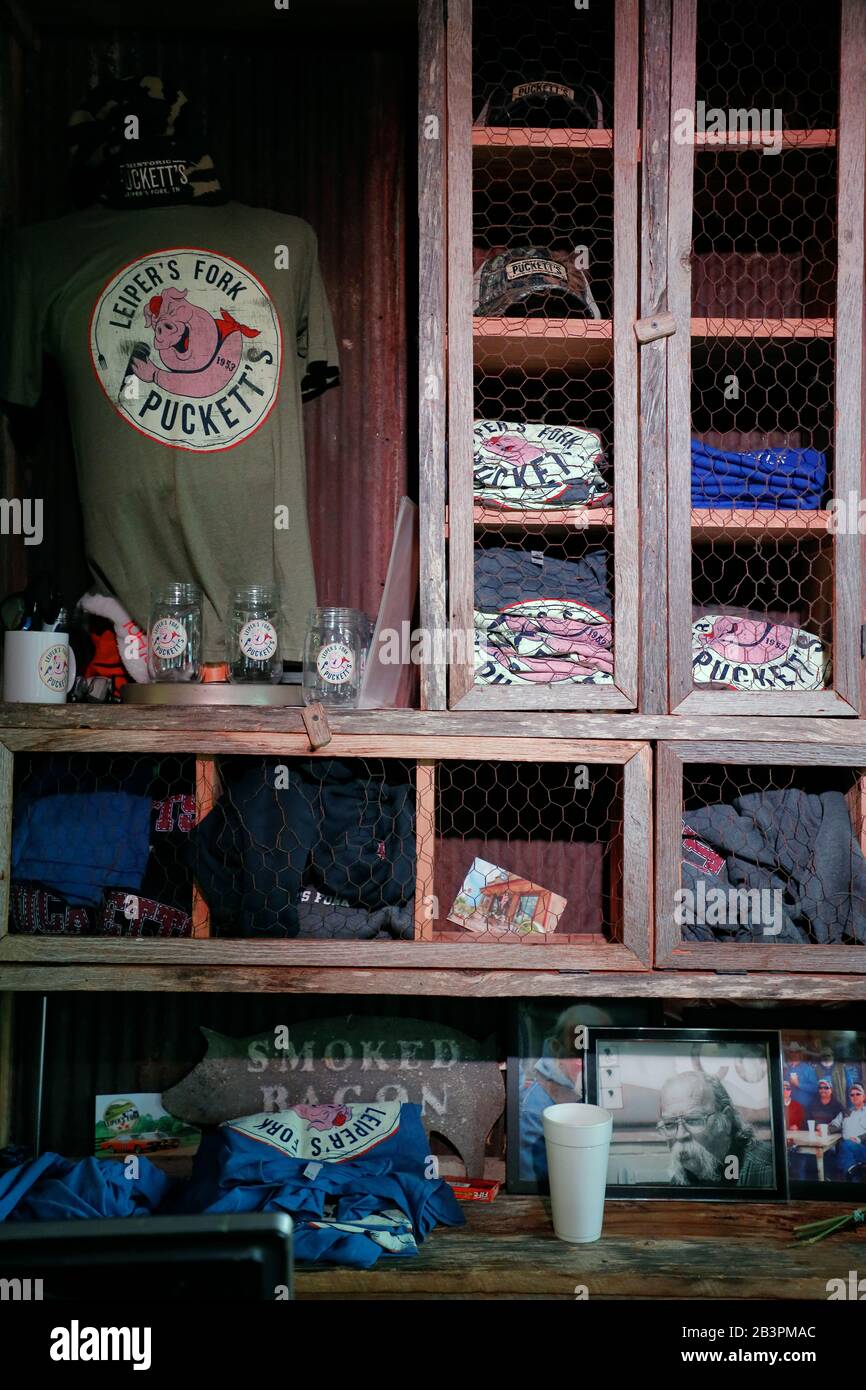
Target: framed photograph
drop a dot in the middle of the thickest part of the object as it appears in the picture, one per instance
(824, 1099)
(546, 1067)
(697, 1113)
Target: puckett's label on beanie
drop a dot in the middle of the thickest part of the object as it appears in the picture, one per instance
(186, 344)
(518, 270)
(542, 89)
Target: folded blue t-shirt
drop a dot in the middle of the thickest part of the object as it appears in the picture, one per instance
(79, 845)
(766, 479)
(357, 1179)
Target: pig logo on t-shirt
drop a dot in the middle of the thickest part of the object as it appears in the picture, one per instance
(187, 347)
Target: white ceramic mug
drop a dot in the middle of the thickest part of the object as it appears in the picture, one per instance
(38, 667)
(577, 1140)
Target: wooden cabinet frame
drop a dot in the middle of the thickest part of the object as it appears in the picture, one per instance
(630, 951)
(575, 337)
(672, 952)
(844, 697)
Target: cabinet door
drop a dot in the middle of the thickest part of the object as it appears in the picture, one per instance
(760, 857)
(765, 366)
(542, 354)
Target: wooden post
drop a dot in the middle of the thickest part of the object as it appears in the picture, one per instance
(461, 584)
(426, 911)
(849, 443)
(5, 835)
(432, 370)
(679, 365)
(624, 385)
(207, 789)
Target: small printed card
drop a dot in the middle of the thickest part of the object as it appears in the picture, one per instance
(136, 1122)
(494, 900)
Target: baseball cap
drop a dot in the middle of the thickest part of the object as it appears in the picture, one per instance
(544, 102)
(166, 165)
(533, 278)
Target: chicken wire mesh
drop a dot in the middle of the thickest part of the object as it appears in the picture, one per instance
(316, 848)
(542, 231)
(100, 844)
(773, 854)
(763, 356)
(528, 853)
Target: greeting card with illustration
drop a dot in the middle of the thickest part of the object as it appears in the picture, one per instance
(494, 900)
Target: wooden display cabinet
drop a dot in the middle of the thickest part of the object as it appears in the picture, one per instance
(635, 376)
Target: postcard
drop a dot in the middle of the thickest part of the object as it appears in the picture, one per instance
(494, 900)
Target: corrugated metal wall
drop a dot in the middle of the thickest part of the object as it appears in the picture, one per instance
(98, 1044)
(302, 125)
(312, 118)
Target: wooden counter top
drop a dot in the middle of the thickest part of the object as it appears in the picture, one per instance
(648, 1250)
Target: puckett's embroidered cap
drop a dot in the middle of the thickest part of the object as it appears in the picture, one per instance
(544, 102)
(534, 279)
(135, 142)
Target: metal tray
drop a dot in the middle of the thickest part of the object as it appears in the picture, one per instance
(210, 693)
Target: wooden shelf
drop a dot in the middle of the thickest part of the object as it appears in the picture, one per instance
(570, 519)
(110, 971)
(536, 345)
(647, 1250)
(493, 137)
(360, 733)
(734, 523)
(763, 329)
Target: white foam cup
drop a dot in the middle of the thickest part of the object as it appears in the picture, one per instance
(577, 1139)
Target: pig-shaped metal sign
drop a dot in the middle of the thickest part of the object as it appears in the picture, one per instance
(456, 1080)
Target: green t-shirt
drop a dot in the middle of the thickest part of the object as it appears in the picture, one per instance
(187, 338)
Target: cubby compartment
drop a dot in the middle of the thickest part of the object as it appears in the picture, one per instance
(541, 845)
(342, 857)
(760, 857)
(764, 435)
(542, 295)
(99, 846)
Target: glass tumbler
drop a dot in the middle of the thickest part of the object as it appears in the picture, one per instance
(252, 634)
(174, 633)
(332, 656)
